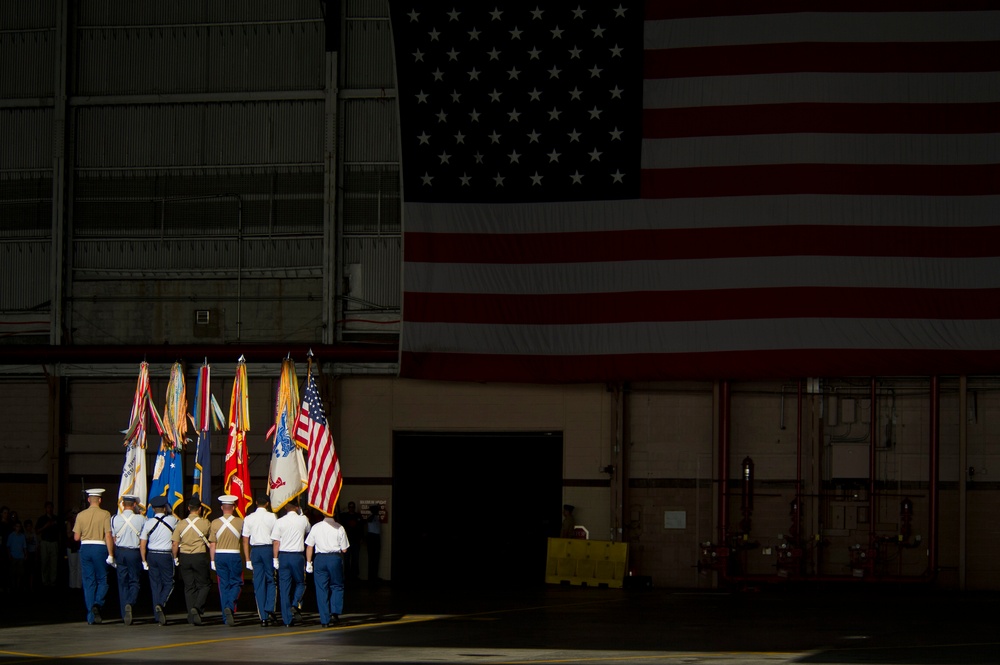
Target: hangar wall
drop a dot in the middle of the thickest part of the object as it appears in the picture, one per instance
(671, 456)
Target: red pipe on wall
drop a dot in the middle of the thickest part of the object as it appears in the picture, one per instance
(41, 354)
(932, 509)
(872, 433)
(723, 462)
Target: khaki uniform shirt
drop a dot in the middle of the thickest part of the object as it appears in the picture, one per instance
(226, 537)
(186, 535)
(93, 523)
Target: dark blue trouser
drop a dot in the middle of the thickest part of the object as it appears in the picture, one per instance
(263, 578)
(328, 571)
(291, 582)
(229, 570)
(161, 577)
(94, 570)
(129, 568)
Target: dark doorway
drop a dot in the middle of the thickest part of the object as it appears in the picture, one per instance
(474, 507)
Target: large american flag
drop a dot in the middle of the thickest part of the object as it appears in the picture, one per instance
(312, 431)
(625, 191)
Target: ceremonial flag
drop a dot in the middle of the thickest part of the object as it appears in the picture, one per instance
(237, 474)
(168, 470)
(133, 481)
(206, 411)
(312, 431)
(286, 478)
(622, 191)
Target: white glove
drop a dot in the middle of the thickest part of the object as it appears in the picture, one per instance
(145, 566)
(111, 561)
(249, 565)
(275, 564)
(213, 565)
(177, 562)
(309, 566)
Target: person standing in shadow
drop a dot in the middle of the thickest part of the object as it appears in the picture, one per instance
(373, 540)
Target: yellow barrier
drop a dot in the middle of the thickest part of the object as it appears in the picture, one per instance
(586, 562)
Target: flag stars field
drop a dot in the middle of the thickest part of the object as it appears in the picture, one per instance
(510, 56)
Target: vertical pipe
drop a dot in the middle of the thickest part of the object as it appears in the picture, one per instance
(797, 517)
(932, 508)
(873, 431)
(723, 461)
(963, 474)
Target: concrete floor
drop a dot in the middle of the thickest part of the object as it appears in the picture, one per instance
(554, 624)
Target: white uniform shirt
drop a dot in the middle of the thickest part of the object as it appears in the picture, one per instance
(328, 536)
(258, 526)
(126, 527)
(291, 532)
(156, 535)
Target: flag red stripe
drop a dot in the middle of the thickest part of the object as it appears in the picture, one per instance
(821, 118)
(674, 9)
(751, 365)
(865, 179)
(674, 244)
(822, 57)
(717, 305)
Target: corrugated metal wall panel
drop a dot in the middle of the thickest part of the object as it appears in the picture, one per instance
(130, 12)
(200, 134)
(374, 131)
(27, 14)
(371, 65)
(26, 137)
(27, 63)
(379, 262)
(366, 9)
(24, 271)
(202, 203)
(191, 259)
(26, 206)
(371, 200)
(180, 59)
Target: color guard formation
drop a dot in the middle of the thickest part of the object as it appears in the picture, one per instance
(277, 552)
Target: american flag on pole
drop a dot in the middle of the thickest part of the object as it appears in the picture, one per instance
(313, 431)
(676, 189)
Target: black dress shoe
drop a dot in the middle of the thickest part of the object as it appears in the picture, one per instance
(96, 611)
(160, 617)
(230, 619)
(128, 615)
(296, 613)
(324, 625)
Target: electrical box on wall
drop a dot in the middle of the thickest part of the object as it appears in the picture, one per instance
(674, 519)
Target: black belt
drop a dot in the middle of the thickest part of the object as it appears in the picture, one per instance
(160, 552)
(122, 547)
(329, 554)
(271, 545)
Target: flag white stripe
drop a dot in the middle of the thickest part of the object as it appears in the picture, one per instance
(708, 151)
(820, 88)
(716, 212)
(845, 27)
(706, 274)
(703, 336)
